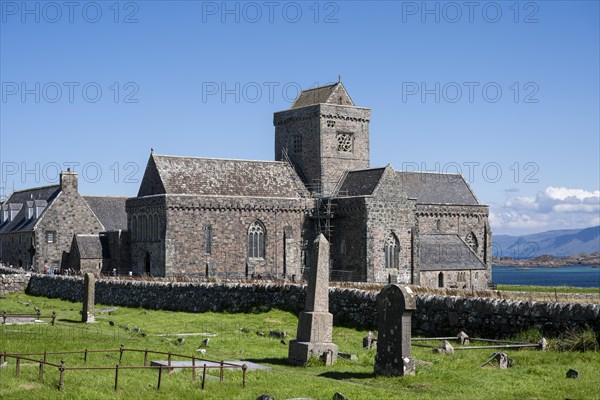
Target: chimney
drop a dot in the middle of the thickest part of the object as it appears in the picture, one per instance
(68, 181)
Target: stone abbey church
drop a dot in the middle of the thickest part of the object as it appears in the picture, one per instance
(213, 218)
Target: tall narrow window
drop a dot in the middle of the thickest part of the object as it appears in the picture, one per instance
(392, 250)
(256, 240)
(297, 144)
(50, 237)
(441, 280)
(208, 239)
(155, 231)
(471, 241)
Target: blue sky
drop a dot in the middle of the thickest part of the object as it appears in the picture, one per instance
(507, 93)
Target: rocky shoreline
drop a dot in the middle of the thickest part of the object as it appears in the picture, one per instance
(546, 261)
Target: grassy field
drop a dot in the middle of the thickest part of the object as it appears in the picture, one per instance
(548, 289)
(535, 375)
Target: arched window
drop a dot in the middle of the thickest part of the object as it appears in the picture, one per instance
(143, 227)
(155, 234)
(392, 251)
(256, 240)
(208, 239)
(471, 241)
(140, 228)
(148, 227)
(441, 280)
(132, 229)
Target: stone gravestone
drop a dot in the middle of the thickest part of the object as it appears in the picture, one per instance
(87, 314)
(315, 325)
(395, 305)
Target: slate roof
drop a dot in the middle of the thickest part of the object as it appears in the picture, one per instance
(435, 188)
(109, 210)
(20, 223)
(92, 246)
(361, 182)
(318, 95)
(223, 177)
(441, 252)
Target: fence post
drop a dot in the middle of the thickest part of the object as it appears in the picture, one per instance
(18, 367)
(53, 318)
(194, 369)
(203, 376)
(44, 356)
(4, 315)
(244, 368)
(169, 361)
(121, 353)
(221, 372)
(85, 356)
(41, 372)
(116, 377)
(61, 378)
(159, 377)
(145, 357)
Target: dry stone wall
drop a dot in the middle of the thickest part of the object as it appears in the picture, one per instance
(435, 315)
(12, 283)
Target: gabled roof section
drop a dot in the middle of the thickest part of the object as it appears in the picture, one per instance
(20, 223)
(440, 252)
(330, 94)
(92, 246)
(109, 210)
(361, 182)
(151, 182)
(222, 177)
(435, 188)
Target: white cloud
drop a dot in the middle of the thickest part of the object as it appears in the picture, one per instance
(552, 208)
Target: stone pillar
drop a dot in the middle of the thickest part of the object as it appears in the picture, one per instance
(395, 305)
(315, 325)
(87, 314)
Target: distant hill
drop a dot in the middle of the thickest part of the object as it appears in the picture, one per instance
(559, 243)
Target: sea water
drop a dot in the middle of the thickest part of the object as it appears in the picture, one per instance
(576, 275)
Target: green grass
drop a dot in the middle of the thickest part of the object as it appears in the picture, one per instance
(548, 289)
(535, 375)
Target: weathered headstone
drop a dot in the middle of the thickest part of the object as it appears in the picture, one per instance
(463, 338)
(315, 325)
(369, 341)
(87, 314)
(445, 348)
(503, 360)
(395, 305)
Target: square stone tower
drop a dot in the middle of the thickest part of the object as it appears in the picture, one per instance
(323, 134)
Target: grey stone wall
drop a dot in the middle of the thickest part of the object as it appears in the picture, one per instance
(469, 279)
(435, 315)
(309, 134)
(68, 215)
(15, 249)
(461, 220)
(180, 246)
(12, 282)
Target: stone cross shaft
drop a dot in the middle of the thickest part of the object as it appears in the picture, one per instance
(87, 314)
(315, 324)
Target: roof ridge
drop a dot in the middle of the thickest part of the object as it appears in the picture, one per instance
(105, 196)
(320, 87)
(35, 188)
(220, 159)
(430, 172)
(366, 169)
